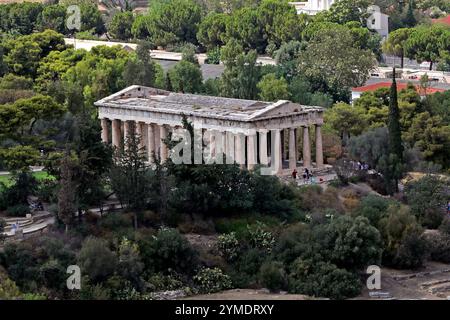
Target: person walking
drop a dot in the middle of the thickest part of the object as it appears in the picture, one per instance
(294, 174)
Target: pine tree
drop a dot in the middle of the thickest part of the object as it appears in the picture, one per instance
(129, 175)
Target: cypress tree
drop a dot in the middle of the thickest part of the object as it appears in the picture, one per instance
(395, 134)
(410, 19)
(394, 160)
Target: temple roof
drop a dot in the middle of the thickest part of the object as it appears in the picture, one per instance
(139, 97)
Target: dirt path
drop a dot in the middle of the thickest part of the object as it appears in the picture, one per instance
(248, 294)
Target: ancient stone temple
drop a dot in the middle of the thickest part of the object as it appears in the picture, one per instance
(276, 134)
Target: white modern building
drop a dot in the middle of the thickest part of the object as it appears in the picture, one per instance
(377, 21)
(312, 7)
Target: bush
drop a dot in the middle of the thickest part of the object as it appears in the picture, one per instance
(373, 207)
(130, 266)
(228, 246)
(21, 264)
(47, 190)
(272, 276)
(244, 271)
(166, 251)
(296, 241)
(96, 259)
(240, 225)
(115, 221)
(314, 198)
(161, 282)
(260, 238)
(2, 229)
(8, 288)
(412, 251)
(322, 279)
(403, 245)
(212, 280)
(427, 198)
(352, 243)
(445, 225)
(19, 210)
(53, 275)
(24, 185)
(439, 247)
(213, 56)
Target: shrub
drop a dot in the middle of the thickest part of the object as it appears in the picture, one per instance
(314, 198)
(228, 246)
(412, 251)
(96, 259)
(47, 190)
(272, 276)
(115, 221)
(373, 207)
(19, 210)
(2, 229)
(427, 198)
(213, 56)
(196, 224)
(439, 247)
(403, 245)
(244, 271)
(8, 288)
(445, 225)
(352, 243)
(166, 251)
(296, 241)
(20, 262)
(130, 265)
(212, 280)
(53, 275)
(260, 238)
(322, 279)
(161, 282)
(24, 185)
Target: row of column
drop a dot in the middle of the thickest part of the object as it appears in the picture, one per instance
(242, 149)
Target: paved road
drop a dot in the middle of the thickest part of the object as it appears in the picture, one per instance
(33, 169)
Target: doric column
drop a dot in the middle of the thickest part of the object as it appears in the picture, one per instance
(292, 147)
(126, 131)
(240, 147)
(306, 148)
(140, 134)
(151, 142)
(116, 134)
(223, 144)
(277, 162)
(319, 149)
(163, 148)
(251, 151)
(105, 131)
(263, 158)
(230, 158)
(212, 143)
(156, 128)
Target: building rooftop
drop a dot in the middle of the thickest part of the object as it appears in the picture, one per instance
(444, 20)
(400, 86)
(144, 98)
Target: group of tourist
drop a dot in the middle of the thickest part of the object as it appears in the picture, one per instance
(307, 176)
